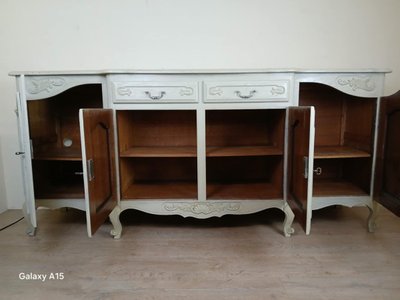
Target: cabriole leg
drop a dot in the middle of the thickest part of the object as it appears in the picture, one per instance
(287, 223)
(373, 212)
(114, 219)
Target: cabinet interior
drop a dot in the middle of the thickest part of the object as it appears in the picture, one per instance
(56, 179)
(344, 130)
(244, 150)
(55, 141)
(158, 154)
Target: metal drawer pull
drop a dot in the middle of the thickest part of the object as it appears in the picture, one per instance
(19, 153)
(251, 94)
(78, 173)
(155, 97)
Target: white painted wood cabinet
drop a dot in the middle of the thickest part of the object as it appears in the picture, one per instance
(201, 143)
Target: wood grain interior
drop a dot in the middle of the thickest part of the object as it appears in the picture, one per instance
(326, 188)
(158, 154)
(54, 119)
(163, 133)
(329, 152)
(342, 177)
(245, 132)
(298, 148)
(341, 120)
(244, 151)
(158, 178)
(344, 130)
(259, 177)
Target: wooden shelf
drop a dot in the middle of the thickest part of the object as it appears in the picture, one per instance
(161, 190)
(243, 191)
(59, 154)
(335, 187)
(328, 152)
(189, 151)
(61, 191)
(243, 151)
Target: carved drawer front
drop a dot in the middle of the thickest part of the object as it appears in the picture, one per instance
(154, 92)
(247, 91)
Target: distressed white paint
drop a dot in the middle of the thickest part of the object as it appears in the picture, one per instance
(54, 84)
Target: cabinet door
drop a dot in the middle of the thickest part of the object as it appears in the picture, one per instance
(29, 208)
(98, 155)
(387, 180)
(300, 141)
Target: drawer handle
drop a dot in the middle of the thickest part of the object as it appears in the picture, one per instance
(155, 97)
(251, 94)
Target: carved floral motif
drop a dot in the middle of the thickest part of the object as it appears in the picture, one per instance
(124, 91)
(215, 90)
(357, 83)
(202, 208)
(277, 90)
(186, 91)
(38, 85)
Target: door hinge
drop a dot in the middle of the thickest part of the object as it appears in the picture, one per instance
(17, 105)
(305, 174)
(90, 169)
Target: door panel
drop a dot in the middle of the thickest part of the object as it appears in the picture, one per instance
(29, 207)
(387, 188)
(97, 135)
(300, 163)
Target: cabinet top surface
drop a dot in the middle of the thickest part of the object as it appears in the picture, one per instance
(194, 71)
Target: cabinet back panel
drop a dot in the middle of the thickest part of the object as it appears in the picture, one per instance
(244, 177)
(355, 171)
(328, 103)
(54, 119)
(158, 178)
(330, 168)
(358, 172)
(360, 118)
(340, 119)
(159, 169)
(245, 128)
(245, 169)
(141, 128)
(58, 179)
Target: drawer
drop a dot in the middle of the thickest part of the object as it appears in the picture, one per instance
(154, 92)
(247, 91)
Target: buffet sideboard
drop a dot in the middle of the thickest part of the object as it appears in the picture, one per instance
(206, 143)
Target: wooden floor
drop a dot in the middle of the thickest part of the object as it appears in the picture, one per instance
(242, 257)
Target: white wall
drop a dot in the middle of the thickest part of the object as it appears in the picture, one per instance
(179, 34)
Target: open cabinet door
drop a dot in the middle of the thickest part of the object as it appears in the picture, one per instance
(97, 138)
(300, 163)
(29, 207)
(387, 178)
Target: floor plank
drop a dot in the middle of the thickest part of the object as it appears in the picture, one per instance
(234, 257)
